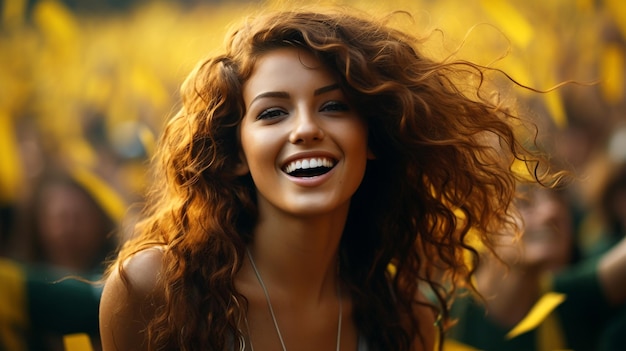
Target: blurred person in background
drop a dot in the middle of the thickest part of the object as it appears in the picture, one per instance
(38, 308)
(545, 260)
(612, 214)
(611, 208)
(63, 226)
(65, 234)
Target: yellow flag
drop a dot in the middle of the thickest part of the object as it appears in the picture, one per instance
(550, 336)
(107, 197)
(537, 314)
(453, 345)
(77, 342)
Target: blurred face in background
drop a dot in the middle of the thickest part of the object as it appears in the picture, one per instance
(547, 242)
(71, 227)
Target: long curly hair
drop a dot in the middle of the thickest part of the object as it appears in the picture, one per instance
(443, 170)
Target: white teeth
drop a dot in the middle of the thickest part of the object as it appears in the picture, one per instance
(309, 163)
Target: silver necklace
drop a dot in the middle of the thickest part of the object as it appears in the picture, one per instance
(269, 305)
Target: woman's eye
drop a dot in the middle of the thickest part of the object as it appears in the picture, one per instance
(335, 106)
(271, 113)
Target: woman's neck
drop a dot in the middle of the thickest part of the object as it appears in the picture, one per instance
(299, 254)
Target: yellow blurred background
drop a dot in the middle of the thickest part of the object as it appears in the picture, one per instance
(90, 83)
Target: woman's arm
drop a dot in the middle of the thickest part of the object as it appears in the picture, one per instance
(126, 309)
(612, 273)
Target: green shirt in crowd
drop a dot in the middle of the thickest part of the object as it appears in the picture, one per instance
(582, 316)
(38, 307)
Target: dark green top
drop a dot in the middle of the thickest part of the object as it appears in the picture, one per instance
(36, 309)
(582, 316)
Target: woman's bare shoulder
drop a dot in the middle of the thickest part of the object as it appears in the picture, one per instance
(130, 299)
(141, 271)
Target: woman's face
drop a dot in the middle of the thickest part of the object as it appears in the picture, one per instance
(302, 142)
(71, 228)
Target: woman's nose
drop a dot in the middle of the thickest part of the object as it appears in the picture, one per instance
(306, 128)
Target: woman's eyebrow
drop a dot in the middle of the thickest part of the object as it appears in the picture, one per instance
(325, 89)
(285, 95)
(271, 94)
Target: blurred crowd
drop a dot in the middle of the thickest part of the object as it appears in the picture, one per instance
(85, 87)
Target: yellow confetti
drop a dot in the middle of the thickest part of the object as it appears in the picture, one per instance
(612, 72)
(77, 342)
(537, 314)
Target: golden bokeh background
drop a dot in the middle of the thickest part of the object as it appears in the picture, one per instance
(89, 84)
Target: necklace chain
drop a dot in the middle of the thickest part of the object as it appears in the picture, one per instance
(269, 305)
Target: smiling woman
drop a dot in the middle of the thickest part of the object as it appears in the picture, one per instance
(296, 113)
(316, 151)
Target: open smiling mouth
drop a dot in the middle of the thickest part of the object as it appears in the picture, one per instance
(309, 167)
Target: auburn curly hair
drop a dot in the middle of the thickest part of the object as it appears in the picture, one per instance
(443, 169)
